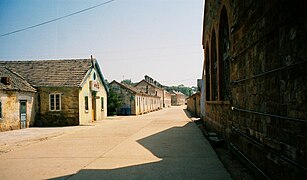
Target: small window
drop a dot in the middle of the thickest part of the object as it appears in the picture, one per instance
(55, 102)
(102, 103)
(0, 109)
(86, 103)
(94, 76)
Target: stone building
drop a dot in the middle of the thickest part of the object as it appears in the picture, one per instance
(151, 87)
(193, 104)
(133, 101)
(255, 56)
(69, 92)
(167, 100)
(177, 98)
(16, 101)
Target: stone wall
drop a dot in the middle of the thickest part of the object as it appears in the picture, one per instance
(265, 116)
(69, 113)
(10, 101)
(193, 104)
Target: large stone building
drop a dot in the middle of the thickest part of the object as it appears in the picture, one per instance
(16, 101)
(255, 61)
(69, 92)
(134, 101)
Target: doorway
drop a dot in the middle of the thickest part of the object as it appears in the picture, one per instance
(23, 114)
(93, 106)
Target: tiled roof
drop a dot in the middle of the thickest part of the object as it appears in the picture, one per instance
(132, 89)
(16, 82)
(66, 73)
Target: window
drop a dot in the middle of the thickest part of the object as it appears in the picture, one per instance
(102, 103)
(0, 109)
(214, 65)
(224, 65)
(86, 103)
(94, 76)
(55, 102)
(208, 72)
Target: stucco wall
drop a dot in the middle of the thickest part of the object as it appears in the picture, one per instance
(86, 116)
(11, 109)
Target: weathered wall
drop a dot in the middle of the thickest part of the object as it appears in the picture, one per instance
(11, 109)
(193, 104)
(167, 99)
(267, 82)
(144, 87)
(69, 113)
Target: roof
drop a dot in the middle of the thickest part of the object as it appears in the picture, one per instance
(132, 89)
(58, 73)
(151, 84)
(17, 83)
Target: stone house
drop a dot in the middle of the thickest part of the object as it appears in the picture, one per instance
(151, 87)
(167, 100)
(69, 92)
(133, 101)
(177, 98)
(193, 104)
(16, 101)
(255, 61)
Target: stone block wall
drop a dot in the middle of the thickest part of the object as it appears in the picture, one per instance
(265, 117)
(69, 113)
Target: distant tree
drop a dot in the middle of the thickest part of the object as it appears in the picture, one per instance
(128, 81)
(188, 91)
(114, 101)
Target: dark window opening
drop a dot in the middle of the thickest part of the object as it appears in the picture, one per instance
(224, 46)
(214, 67)
(208, 72)
(86, 102)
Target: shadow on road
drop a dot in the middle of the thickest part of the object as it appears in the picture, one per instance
(184, 156)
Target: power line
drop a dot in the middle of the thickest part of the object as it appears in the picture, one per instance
(56, 19)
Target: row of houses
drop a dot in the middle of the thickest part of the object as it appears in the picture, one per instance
(51, 93)
(145, 96)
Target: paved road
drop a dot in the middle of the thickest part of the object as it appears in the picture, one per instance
(159, 145)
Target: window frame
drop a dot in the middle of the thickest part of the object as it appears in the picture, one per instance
(55, 102)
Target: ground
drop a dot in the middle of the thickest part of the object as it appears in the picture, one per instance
(164, 144)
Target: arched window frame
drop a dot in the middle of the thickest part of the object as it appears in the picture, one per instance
(223, 57)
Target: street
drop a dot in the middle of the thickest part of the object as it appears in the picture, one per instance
(164, 144)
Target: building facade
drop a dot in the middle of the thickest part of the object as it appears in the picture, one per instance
(69, 92)
(16, 101)
(178, 98)
(255, 56)
(151, 87)
(133, 101)
(193, 104)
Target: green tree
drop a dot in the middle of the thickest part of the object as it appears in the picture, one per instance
(114, 102)
(128, 81)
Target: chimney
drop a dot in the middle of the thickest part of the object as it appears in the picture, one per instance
(6, 80)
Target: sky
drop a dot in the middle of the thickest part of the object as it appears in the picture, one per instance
(129, 38)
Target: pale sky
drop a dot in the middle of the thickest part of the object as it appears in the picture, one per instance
(129, 38)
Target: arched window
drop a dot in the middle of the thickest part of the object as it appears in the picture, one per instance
(224, 46)
(213, 67)
(208, 72)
